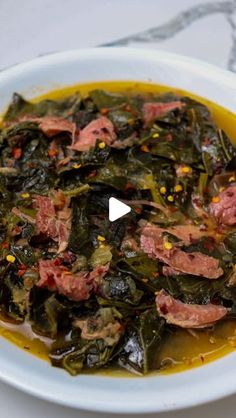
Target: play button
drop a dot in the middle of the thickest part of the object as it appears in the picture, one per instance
(117, 209)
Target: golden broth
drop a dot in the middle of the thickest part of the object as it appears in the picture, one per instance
(182, 349)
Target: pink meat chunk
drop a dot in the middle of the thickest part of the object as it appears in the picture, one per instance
(153, 110)
(187, 234)
(53, 218)
(194, 263)
(224, 211)
(188, 315)
(76, 287)
(99, 129)
(52, 125)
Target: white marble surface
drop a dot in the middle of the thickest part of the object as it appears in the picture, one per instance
(29, 28)
(204, 29)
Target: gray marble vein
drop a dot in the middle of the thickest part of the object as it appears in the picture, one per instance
(182, 21)
(232, 55)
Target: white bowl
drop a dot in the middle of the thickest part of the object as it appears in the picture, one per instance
(100, 393)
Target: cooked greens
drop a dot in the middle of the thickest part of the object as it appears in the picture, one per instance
(107, 294)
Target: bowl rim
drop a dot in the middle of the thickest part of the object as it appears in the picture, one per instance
(221, 76)
(226, 76)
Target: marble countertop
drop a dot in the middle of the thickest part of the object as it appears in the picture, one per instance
(202, 29)
(29, 28)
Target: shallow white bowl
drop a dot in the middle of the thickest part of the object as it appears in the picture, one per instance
(98, 393)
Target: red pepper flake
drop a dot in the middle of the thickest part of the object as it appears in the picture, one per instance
(209, 245)
(104, 111)
(52, 153)
(122, 327)
(57, 262)
(16, 231)
(16, 153)
(128, 108)
(92, 174)
(22, 267)
(31, 165)
(129, 186)
(5, 245)
(144, 148)
(138, 211)
(22, 270)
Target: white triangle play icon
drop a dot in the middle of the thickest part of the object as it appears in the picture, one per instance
(117, 209)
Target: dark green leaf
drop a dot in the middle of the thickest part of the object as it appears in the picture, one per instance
(141, 343)
(105, 100)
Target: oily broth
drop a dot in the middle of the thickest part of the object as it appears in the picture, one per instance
(23, 336)
(180, 349)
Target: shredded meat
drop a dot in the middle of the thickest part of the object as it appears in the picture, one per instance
(224, 211)
(99, 129)
(53, 217)
(187, 234)
(96, 327)
(194, 263)
(76, 287)
(188, 315)
(153, 110)
(52, 125)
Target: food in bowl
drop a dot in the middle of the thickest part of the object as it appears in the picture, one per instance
(154, 290)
